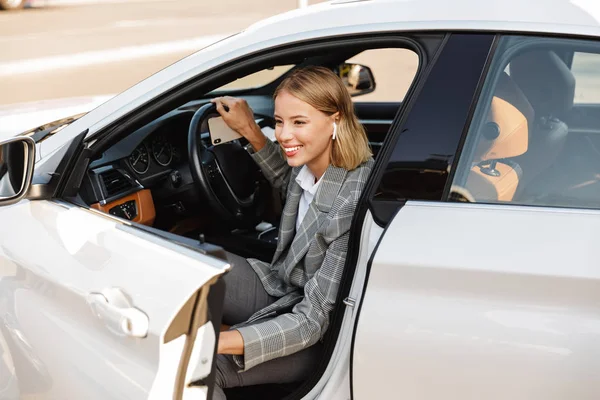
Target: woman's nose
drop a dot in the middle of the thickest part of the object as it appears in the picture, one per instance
(285, 134)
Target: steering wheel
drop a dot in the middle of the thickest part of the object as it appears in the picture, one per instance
(226, 174)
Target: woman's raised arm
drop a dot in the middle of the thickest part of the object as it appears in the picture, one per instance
(238, 115)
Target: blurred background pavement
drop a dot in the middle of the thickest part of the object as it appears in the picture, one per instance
(62, 57)
(67, 48)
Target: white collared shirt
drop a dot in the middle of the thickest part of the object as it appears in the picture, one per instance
(306, 180)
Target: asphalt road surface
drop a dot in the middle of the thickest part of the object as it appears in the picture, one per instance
(84, 47)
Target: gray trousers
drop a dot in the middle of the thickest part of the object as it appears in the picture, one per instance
(244, 295)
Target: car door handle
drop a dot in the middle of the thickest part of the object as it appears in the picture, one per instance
(116, 311)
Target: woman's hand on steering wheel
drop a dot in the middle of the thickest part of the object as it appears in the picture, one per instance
(238, 115)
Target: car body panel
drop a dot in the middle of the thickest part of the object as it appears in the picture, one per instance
(49, 267)
(461, 304)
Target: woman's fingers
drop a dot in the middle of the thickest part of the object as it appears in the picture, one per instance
(220, 105)
(232, 108)
(238, 115)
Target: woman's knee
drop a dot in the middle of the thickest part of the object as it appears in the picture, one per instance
(226, 374)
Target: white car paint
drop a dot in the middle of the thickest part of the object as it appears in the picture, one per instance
(517, 312)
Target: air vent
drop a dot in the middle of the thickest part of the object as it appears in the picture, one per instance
(115, 182)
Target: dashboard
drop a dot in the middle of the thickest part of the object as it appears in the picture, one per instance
(142, 173)
(164, 149)
(149, 167)
(155, 148)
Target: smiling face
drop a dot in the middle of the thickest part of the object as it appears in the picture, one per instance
(304, 133)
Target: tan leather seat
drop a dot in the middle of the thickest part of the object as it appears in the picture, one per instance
(505, 134)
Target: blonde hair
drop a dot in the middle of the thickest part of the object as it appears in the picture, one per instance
(325, 91)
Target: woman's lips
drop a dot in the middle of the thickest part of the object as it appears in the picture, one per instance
(291, 151)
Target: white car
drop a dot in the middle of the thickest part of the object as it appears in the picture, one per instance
(473, 270)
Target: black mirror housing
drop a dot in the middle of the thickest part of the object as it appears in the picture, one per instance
(357, 78)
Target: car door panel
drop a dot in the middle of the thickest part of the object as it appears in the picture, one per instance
(573, 176)
(50, 269)
(576, 171)
(481, 301)
(584, 127)
(584, 118)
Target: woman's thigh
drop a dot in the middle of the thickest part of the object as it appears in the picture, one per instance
(244, 292)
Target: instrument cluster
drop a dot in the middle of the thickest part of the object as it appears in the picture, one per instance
(156, 150)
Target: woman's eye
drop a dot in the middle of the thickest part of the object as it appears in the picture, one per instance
(278, 122)
(299, 122)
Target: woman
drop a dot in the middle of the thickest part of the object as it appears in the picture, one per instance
(321, 161)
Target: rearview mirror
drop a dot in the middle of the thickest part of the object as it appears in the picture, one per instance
(17, 157)
(358, 78)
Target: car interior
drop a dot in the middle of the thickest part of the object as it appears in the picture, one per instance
(167, 174)
(533, 147)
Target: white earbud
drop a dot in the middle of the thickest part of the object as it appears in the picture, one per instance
(334, 130)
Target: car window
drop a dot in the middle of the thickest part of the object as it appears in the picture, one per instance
(419, 159)
(529, 143)
(257, 79)
(394, 70)
(586, 69)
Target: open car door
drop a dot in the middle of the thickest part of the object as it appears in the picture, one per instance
(92, 307)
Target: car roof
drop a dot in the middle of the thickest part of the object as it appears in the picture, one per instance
(575, 17)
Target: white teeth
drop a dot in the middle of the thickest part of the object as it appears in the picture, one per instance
(291, 149)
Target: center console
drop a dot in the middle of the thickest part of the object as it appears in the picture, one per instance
(258, 243)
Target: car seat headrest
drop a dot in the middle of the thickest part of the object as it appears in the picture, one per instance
(546, 81)
(506, 131)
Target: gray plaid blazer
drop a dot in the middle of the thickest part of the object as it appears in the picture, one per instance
(307, 266)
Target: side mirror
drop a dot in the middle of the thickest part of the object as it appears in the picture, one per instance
(357, 78)
(17, 158)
